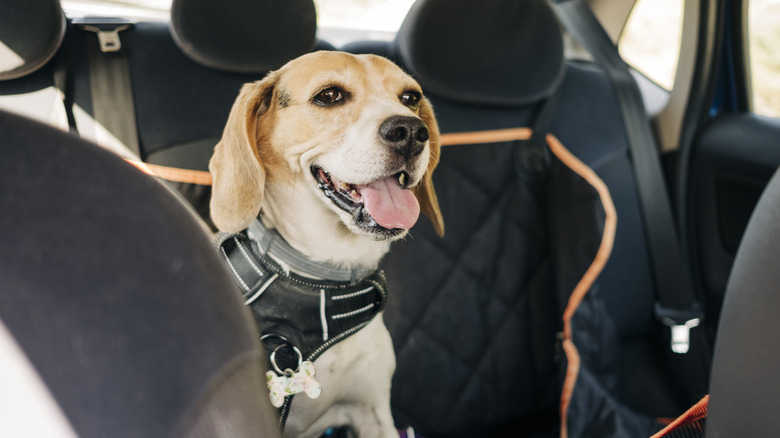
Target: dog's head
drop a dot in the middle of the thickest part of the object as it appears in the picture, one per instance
(355, 132)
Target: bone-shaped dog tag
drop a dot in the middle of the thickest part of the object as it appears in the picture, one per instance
(289, 383)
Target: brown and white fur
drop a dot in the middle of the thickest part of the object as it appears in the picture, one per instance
(336, 112)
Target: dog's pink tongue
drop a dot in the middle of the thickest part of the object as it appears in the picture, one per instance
(389, 204)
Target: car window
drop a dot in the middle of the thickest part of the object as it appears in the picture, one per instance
(763, 36)
(338, 21)
(377, 15)
(650, 41)
(141, 10)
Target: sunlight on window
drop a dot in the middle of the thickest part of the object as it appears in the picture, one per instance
(764, 51)
(651, 39)
(142, 10)
(379, 15)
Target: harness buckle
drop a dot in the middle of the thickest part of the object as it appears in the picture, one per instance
(681, 322)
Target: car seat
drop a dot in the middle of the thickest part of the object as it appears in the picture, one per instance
(185, 75)
(117, 318)
(744, 389)
(476, 317)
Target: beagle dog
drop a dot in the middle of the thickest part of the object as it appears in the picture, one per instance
(335, 153)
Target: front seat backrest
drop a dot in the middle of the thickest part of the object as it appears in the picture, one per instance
(117, 299)
(744, 388)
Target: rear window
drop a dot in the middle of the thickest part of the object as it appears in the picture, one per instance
(377, 15)
(339, 21)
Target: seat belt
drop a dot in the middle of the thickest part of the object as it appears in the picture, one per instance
(676, 306)
(534, 156)
(63, 77)
(113, 108)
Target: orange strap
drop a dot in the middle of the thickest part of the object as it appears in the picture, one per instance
(690, 420)
(203, 177)
(480, 137)
(174, 174)
(595, 268)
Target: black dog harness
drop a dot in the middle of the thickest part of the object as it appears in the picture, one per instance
(301, 308)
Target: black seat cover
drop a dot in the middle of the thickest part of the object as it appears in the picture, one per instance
(744, 388)
(475, 316)
(117, 298)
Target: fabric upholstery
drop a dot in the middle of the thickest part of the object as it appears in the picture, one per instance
(449, 45)
(489, 292)
(116, 296)
(744, 389)
(242, 35)
(186, 74)
(31, 31)
(474, 316)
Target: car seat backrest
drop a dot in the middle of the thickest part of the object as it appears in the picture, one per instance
(744, 389)
(186, 74)
(31, 33)
(117, 300)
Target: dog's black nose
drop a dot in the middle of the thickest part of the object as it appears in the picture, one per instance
(405, 135)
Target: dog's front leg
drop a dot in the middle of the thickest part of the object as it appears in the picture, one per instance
(355, 376)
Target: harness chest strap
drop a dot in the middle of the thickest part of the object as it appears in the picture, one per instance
(299, 317)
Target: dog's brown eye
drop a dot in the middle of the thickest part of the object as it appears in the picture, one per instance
(411, 99)
(329, 96)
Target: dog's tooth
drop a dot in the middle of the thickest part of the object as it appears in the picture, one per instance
(356, 214)
(402, 179)
(344, 185)
(354, 193)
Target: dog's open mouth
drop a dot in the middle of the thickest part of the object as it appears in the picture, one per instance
(385, 206)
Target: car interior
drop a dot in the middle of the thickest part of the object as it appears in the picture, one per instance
(589, 279)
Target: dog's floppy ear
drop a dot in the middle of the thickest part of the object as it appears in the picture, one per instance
(424, 190)
(237, 174)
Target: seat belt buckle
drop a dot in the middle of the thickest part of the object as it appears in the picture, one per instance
(680, 322)
(107, 30)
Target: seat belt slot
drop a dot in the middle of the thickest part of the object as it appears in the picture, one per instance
(107, 30)
(681, 322)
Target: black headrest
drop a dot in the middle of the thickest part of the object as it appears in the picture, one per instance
(493, 52)
(31, 31)
(244, 36)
